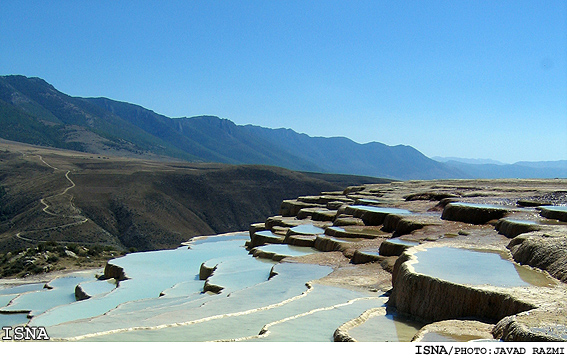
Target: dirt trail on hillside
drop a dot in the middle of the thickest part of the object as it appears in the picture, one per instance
(61, 211)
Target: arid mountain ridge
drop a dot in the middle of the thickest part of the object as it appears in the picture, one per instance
(33, 111)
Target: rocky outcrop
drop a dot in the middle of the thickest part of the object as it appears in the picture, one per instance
(326, 243)
(261, 253)
(325, 198)
(391, 248)
(371, 216)
(433, 299)
(352, 232)
(281, 221)
(362, 257)
(533, 327)
(300, 240)
(347, 220)
(472, 213)
(292, 207)
(512, 228)
(256, 227)
(205, 271)
(458, 330)
(114, 271)
(554, 212)
(400, 225)
(391, 222)
(547, 251)
(80, 294)
(209, 287)
(532, 203)
(317, 214)
(264, 237)
(430, 196)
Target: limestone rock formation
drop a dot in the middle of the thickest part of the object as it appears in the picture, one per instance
(360, 225)
(114, 271)
(80, 294)
(209, 287)
(554, 212)
(458, 330)
(391, 248)
(472, 213)
(205, 271)
(547, 251)
(533, 326)
(512, 228)
(433, 299)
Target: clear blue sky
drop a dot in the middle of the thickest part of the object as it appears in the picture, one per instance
(473, 79)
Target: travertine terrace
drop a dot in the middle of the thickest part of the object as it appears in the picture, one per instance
(372, 236)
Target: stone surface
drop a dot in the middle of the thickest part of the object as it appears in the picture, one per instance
(205, 272)
(347, 220)
(534, 326)
(292, 207)
(80, 294)
(554, 212)
(115, 272)
(389, 248)
(455, 330)
(209, 287)
(430, 196)
(433, 299)
(472, 213)
(513, 228)
(546, 251)
(352, 232)
(449, 223)
(265, 237)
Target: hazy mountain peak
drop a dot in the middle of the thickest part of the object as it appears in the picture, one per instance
(467, 160)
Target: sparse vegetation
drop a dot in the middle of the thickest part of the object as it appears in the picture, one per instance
(51, 256)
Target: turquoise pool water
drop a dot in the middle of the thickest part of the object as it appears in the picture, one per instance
(477, 268)
(385, 328)
(307, 230)
(377, 209)
(163, 298)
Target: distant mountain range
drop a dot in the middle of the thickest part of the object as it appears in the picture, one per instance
(33, 111)
(525, 170)
(467, 160)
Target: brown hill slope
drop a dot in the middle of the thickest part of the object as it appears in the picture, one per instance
(78, 198)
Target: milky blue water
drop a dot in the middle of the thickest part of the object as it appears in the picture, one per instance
(384, 210)
(163, 299)
(479, 206)
(385, 328)
(150, 273)
(5, 299)
(307, 230)
(98, 287)
(287, 250)
(403, 242)
(61, 293)
(554, 208)
(476, 268)
(22, 288)
(268, 233)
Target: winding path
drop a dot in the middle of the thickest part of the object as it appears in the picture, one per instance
(80, 219)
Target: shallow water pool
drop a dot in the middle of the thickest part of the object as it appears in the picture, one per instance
(477, 268)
